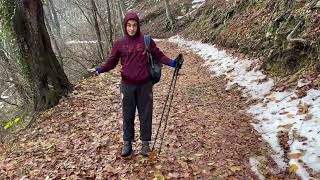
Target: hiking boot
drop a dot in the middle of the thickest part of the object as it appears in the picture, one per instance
(127, 149)
(145, 148)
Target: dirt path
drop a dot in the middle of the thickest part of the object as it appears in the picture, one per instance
(209, 134)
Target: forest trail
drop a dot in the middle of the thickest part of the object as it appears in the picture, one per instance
(209, 134)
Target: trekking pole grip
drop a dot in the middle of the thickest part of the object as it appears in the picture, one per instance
(180, 60)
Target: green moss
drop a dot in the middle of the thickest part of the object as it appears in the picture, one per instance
(276, 69)
(7, 10)
(7, 34)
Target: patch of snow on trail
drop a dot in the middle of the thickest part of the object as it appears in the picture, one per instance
(279, 111)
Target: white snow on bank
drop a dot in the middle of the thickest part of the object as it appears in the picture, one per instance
(81, 42)
(197, 3)
(157, 40)
(255, 167)
(223, 64)
(279, 111)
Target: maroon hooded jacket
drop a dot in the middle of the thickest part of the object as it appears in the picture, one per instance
(132, 52)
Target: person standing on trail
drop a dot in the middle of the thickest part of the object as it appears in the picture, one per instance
(136, 85)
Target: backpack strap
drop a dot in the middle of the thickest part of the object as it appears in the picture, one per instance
(147, 40)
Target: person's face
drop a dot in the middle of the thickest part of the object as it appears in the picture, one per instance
(132, 27)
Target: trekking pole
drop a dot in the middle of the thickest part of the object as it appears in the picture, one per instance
(167, 115)
(164, 108)
(169, 95)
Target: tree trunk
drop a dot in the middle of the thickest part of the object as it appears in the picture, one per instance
(110, 24)
(170, 23)
(55, 21)
(120, 16)
(48, 81)
(97, 29)
(55, 43)
(122, 7)
(114, 7)
(103, 23)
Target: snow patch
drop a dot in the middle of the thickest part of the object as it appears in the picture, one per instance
(81, 42)
(255, 167)
(196, 4)
(279, 111)
(236, 71)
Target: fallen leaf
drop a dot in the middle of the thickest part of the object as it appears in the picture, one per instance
(295, 155)
(287, 126)
(143, 160)
(152, 155)
(173, 175)
(295, 134)
(272, 99)
(293, 168)
(108, 168)
(308, 117)
(235, 168)
(283, 113)
(158, 176)
(303, 109)
(115, 138)
(290, 116)
(198, 155)
(301, 93)
(34, 172)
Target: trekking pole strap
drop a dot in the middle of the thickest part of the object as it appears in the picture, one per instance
(147, 40)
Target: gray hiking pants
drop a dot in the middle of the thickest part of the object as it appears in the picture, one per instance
(140, 97)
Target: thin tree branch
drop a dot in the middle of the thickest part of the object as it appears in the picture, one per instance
(290, 39)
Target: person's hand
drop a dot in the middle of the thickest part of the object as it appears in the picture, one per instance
(93, 71)
(179, 60)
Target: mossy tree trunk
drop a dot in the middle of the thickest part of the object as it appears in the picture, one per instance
(48, 80)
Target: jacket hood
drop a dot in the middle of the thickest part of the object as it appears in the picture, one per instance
(131, 15)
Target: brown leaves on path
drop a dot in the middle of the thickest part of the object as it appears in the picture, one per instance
(208, 134)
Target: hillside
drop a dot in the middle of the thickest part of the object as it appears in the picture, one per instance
(257, 28)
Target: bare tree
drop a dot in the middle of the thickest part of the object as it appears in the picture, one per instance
(55, 43)
(97, 29)
(120, 17)
(123, 7)
(110, 23)
(170, 22)
(55, 21)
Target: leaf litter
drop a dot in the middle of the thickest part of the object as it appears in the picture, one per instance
(209, 133)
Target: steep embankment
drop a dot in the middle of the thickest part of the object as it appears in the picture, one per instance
(285, 33)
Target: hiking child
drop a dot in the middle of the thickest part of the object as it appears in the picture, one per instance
(136, 85)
